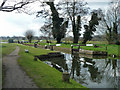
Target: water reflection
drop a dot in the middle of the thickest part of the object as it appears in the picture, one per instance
(75, 65)
(92, 73)
(95, 75)
(59, 63)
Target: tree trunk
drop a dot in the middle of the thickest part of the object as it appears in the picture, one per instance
(75, 39)
(29, 40)
(84, 42)
(76, 28)
(58, 40)
(57, 21)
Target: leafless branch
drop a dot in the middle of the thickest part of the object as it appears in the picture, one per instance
(14, 7)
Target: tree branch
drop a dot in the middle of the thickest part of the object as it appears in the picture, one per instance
(14, 7)
(3, 3)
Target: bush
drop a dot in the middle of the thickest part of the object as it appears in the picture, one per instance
(117, 43)
(10, 40)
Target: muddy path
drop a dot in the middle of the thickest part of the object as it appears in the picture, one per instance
(15, 77)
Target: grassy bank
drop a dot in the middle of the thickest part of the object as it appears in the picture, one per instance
(111, 49)
(7, 48)
(43, 75)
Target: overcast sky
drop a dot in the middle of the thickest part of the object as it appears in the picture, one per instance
(15, 24)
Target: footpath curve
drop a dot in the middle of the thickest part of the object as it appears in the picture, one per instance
(15, 77)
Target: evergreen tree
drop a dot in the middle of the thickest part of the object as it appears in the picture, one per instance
(91, 28)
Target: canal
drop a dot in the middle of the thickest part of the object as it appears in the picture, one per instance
(90, 72)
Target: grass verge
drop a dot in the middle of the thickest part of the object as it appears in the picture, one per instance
(7, 48)
(111, 49)
(43, 75)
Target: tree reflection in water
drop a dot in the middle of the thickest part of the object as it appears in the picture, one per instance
(98, 71)
(90, 72)
(75, 65)
(93, 70)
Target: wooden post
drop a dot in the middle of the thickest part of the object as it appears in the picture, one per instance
(35, 45)
(78, 47)
(51, 47)
(35, 58)
(72, 48)
(65, 77)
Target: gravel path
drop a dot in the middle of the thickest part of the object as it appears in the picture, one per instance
(15, 77)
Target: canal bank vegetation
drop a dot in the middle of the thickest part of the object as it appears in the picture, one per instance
(43, 75)
(111, 49)
(7, 48)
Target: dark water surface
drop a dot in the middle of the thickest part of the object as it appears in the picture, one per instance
(92, 73)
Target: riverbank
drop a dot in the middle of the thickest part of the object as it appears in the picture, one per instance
(91, 71)
(41, 72)
(15, 77)
(112, 50)
(7, 48)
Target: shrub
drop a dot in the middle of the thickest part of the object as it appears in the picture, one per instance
(117, 43)
(10, 40)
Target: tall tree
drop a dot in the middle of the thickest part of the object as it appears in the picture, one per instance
(91, 28)
(111, 21)
(46, 29)
(74, 10)
(59, 29)
(59, 25)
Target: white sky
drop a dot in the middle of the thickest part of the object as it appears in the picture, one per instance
(97, 0)
(15, 24)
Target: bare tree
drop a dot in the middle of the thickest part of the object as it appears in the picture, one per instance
(111, 21)
(9, 6)
(29, 35)
(46, 29)
(59, 24)
(74, 10)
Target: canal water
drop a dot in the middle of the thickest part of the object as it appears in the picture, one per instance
(90, 72)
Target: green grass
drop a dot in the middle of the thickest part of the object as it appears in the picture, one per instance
(111, 49)
(114, 49)
(43, 75)
(101, 47)
(7, 48)
(4, 41)
(97, 42)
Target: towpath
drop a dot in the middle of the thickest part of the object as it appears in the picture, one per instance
(15, 77)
